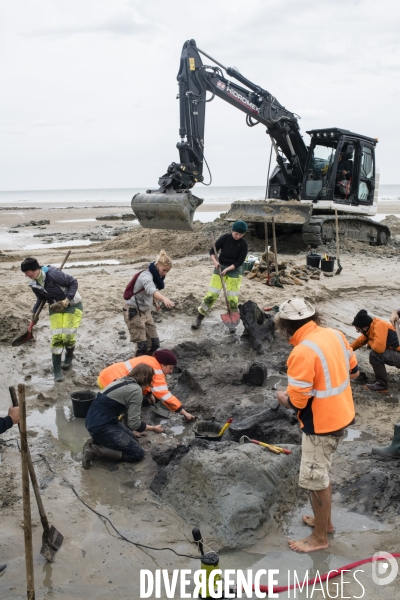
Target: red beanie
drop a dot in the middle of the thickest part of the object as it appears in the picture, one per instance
(165, 357)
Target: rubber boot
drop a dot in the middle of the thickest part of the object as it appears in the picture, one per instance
(56, 358)
(392, 451)
(92, 451)
(69, 354)
(198, 321)
(155, 344)
(381, 383)
(141, 349)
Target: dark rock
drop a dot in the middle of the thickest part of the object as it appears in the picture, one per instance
(256, 375)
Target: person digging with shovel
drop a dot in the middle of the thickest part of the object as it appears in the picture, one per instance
(231, 258)
(60, 291)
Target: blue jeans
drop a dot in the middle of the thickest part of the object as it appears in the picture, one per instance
(118, 436)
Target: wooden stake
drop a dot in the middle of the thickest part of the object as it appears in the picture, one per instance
(267, 251)
(30, 584)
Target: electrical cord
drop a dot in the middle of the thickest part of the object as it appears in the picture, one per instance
(104, 518)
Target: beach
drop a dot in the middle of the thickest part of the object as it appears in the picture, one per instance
(208, 384)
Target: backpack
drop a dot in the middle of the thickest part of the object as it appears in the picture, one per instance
(128, 293)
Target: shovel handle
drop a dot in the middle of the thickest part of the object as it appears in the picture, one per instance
(225, 427)
(42, 512)
(220, 274)
(271, 448)
(43, 302)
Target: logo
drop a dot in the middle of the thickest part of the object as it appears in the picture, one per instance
(384, 568)
(221, 85)
(243, 100)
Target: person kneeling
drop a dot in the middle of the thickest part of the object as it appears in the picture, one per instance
(111, 439)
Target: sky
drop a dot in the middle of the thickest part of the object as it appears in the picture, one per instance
(89, 87)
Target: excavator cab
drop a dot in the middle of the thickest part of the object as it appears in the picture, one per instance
(340, 167)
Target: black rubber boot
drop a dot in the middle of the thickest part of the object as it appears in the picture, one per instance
(56, 358)
(69, 354)
(141, 349)
(381, 383)
(155, 344)
(92, 451)
(392, 451)
(198, 321)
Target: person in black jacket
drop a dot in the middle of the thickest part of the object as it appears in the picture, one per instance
(65, 309)
(11, 419)
(231, 258)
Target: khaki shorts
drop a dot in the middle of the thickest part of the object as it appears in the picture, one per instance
(141, 327)
(316, 458)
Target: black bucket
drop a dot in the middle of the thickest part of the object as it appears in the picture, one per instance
(208, 430)
(313, 260)
(81, 402)
(328, 265)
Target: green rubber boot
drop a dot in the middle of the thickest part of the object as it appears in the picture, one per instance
(392, 451)
(57, 367)
(69, 354)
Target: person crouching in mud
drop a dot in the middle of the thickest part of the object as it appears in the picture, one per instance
(111, 439)
(144, 294)
(65, 309)
(232, 256)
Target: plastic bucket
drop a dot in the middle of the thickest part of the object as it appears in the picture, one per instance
(328, 265)
(81, 402)
(208, 430)
(313, 260)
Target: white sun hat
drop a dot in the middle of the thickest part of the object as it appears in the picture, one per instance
(296, 309)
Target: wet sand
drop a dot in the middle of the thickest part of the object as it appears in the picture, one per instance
(94, 564)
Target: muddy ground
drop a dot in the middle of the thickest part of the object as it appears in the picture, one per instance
(245, 501)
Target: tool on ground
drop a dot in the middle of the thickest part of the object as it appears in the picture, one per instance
(267, 252)
(340, 268)
(30, 583)
(51, 538)
(225, 427)
(276, 449)
(277, 283)
(28, 335)
(232, 318)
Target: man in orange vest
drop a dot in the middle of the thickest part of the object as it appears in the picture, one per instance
(163, 363)
(382, 338)
(319, 371)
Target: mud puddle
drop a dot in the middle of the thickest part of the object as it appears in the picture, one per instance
(352, 435)
(63, 426)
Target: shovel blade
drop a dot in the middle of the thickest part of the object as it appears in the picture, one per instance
(51, 542)
(22, 339)
(231, 319)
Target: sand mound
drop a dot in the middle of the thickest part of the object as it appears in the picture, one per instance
(393, 223)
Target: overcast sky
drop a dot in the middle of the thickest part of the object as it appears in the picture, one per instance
(89, 87)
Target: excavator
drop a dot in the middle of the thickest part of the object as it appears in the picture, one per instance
(335, 171)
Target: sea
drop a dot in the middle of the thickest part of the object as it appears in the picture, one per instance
(122, 196)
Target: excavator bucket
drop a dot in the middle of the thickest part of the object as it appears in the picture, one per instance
(156, 210)
(291, 212)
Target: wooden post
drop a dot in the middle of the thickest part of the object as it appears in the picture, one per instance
(267, 250)
(30, 584)
(275, 247)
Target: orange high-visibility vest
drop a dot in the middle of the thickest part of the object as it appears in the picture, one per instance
(158, 386)
(319, 378)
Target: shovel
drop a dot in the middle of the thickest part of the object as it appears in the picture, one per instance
(51, 538)
(28, 335)
(232, 318)
(277, 282)
(340, 268)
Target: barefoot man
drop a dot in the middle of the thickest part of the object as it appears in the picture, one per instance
(319, 371)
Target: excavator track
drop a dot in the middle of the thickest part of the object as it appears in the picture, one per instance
(321, 229)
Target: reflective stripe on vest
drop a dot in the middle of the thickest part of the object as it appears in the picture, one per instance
(128, 366)
(330, 391)
(298, 383)
(160, 388)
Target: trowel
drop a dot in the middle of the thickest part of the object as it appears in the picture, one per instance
(276, 449)
(231, 319)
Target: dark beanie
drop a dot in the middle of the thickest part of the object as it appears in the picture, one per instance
(165, 357)
(362, 319)
(29, 264)
(240, 227)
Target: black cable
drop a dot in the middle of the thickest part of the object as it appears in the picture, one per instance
(108, 520)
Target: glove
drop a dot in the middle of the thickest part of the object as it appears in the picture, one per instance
(59, 306)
